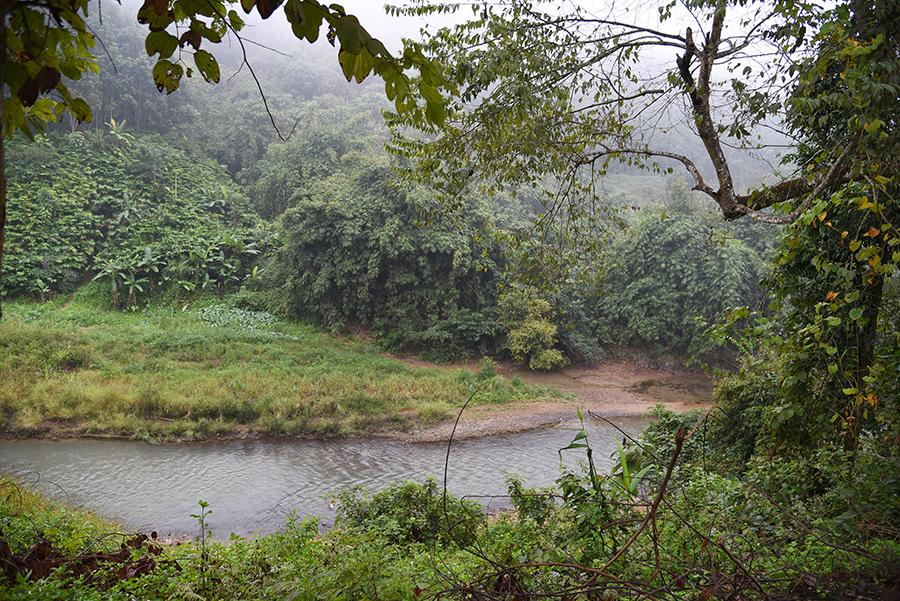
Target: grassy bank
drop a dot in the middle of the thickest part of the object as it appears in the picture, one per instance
(198, 372)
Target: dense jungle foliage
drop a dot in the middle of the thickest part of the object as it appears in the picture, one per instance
(311, 227)
(181, 235)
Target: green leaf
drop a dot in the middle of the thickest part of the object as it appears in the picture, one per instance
(161, 42)
(305, 18)
(350, 33)
(81, 110)
(167, 76)
(207, 65)
(356, 66)
(873, 126)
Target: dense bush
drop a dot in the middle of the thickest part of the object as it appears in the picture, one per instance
(358, 251)
(133, 211)
(673, 274)
(408, 512)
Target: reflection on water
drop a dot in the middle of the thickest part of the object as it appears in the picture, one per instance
(252, 486)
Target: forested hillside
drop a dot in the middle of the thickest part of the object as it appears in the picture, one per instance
(168, 197)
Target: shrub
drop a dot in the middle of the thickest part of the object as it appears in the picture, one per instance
(409, 512)
(357, 251)
(529, 503)
(531, 336)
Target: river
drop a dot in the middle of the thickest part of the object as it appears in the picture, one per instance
(252, 486)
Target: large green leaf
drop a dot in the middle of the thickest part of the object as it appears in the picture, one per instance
(161, 42)
(207, 65)
(167, 76)
(305, 18)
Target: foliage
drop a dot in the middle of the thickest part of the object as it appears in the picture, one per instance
(409, 513)
(38, 52)
(658, 440)
(742, 398)
(121, 90)
(28, 515)
(832, 295)
(33, 67)
(223, 316)
(329, 129)
(138, 218)
(49, 39)
(530, 504)
(677, 270)
(830, 274)
(550, 99)
(357, 251)
(530, 334)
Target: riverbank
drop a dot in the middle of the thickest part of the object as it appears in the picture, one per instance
(209, 372)
(610, 389)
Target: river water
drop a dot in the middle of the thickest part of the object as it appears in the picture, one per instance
(252, 486)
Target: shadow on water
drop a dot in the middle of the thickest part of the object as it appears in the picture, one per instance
(252, 486)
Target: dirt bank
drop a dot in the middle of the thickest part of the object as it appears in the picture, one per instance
(611, 389)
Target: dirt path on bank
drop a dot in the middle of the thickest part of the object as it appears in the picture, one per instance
(611, 389)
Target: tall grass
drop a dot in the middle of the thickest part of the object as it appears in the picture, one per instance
(173, 373)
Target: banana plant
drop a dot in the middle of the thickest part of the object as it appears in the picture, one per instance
(112, 270)
(133, 283)
(150, 265)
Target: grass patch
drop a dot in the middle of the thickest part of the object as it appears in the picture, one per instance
(173, 373)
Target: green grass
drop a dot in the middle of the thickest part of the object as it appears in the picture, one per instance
(198, 372)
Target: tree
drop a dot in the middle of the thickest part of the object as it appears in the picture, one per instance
(46, 41)
(354, 253)
(552, 99)
(557, 94)
(674, 274)
(833, 269)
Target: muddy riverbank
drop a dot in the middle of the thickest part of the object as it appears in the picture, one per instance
(610, 389)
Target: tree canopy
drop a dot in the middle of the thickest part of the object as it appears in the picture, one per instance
(567, 93)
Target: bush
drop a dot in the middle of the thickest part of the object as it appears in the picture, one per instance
(357, 251)
(80, 212)
(531, 336)
(529, 503)
(409, 512)
(659, 439)
(742, 399)
(676, 272)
